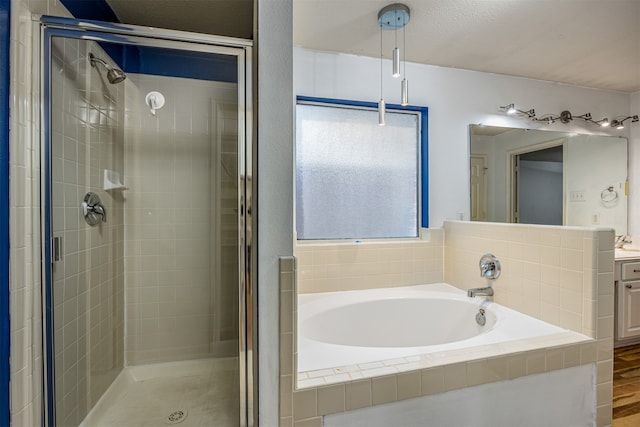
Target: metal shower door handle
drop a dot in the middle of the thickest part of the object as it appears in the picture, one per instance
(93, 210)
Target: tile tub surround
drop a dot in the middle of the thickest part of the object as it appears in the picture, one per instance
(562, 275)
(550, 273)
(307, 406)
(341, 266)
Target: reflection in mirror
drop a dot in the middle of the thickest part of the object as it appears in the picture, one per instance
(544, 177)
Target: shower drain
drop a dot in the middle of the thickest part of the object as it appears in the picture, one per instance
(176, 417)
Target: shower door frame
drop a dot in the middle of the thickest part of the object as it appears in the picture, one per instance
(124, 34)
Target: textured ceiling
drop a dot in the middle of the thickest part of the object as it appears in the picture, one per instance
(592, 43)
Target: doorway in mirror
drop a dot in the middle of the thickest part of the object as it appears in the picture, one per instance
(537, 183)
(593, 177)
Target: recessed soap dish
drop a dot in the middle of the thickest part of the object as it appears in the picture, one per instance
(112, 181)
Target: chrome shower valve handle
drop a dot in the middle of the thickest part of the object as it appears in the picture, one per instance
(93, 210)
(489, 266)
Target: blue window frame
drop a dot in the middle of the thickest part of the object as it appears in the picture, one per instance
(355, 213)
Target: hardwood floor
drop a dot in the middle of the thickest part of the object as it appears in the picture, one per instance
(626, 386)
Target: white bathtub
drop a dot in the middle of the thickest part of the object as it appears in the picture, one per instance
(340, 329)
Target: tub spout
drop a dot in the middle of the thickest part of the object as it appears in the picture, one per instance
(480, 292)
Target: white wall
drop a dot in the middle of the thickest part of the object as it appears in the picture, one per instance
(456, 98)
(634, 171)
(275, 185)
(566, 395)
(592, 166)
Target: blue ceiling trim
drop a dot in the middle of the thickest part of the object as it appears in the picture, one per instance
(5, 336)
(173, 63)
(152, 60)
(176, 63)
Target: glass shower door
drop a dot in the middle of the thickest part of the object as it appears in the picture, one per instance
(87, 287)
(145, 231)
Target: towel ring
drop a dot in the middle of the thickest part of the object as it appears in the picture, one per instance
(609, 195)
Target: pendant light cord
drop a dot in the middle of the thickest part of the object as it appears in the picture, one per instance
(395, 31)
(404, 54)
(380, 61)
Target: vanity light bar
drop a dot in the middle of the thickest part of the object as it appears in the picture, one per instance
(566, 117)
(619, 123)
(512, 110)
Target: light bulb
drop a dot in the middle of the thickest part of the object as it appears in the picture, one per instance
(396, 62)
(382, 110)
(404, 96)
(511, 109)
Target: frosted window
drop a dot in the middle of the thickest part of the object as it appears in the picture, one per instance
(355, 179)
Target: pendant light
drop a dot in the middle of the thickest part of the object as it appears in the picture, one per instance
(396, 50)
(404, 94)
(394, 17)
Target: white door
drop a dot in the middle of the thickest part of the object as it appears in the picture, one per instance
(478, 189)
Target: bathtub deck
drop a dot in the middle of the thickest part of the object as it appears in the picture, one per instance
(322, 363)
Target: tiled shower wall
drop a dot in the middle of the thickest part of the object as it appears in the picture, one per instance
(88, 284)
(180, 168)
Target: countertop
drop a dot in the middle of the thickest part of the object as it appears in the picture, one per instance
(625, 254)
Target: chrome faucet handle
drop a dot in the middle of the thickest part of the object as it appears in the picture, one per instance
(622, 240)
(93, 210)
(489, 266)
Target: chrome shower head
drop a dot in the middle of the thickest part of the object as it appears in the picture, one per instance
(114, 75)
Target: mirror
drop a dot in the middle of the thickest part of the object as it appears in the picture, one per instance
(546, 177)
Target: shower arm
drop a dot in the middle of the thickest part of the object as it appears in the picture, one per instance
(93, 59)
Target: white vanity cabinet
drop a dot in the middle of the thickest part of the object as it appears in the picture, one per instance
(627, 299)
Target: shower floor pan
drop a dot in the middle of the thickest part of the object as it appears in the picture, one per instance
(190, 393)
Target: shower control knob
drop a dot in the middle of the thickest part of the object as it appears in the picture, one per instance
(93, 210)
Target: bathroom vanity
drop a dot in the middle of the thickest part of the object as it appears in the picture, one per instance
(627, 295)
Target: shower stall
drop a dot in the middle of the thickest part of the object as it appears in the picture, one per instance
(146, 223)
